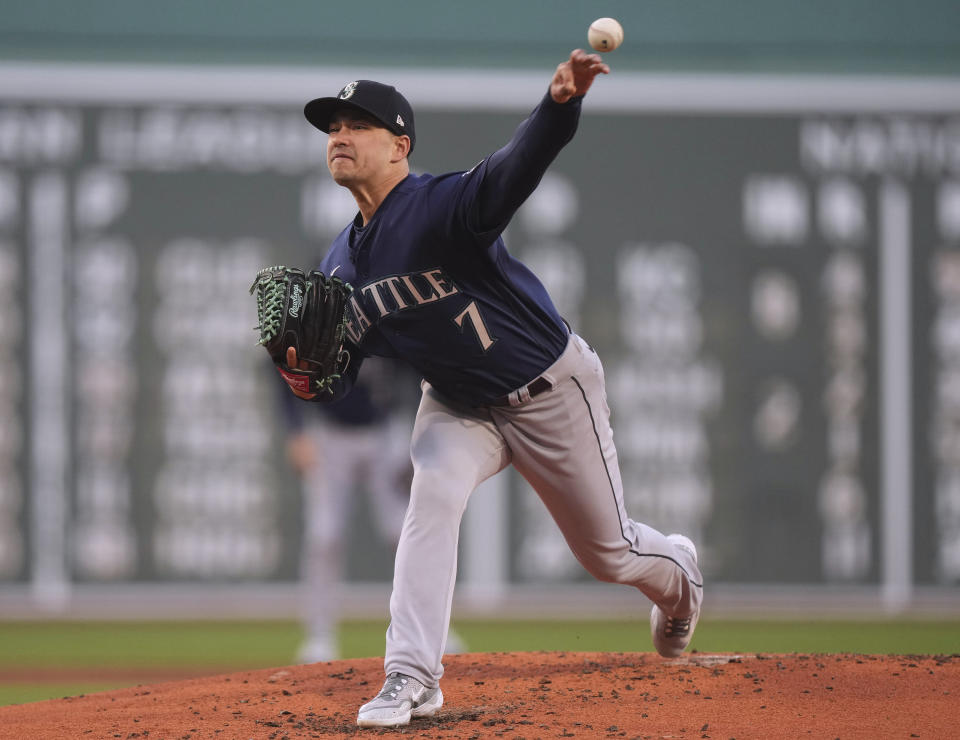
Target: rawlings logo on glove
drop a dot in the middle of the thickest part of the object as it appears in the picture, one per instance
(306, 311)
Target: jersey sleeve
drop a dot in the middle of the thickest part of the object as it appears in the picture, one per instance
(498, 186)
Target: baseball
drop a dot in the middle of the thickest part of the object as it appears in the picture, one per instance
(605, 34)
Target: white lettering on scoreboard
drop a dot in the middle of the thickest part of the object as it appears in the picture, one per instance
(944, 277)
(665, 388)
(215, 504)
(12, 501)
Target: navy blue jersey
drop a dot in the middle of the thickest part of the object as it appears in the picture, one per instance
(434, 284)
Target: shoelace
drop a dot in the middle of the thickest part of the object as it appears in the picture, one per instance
(677, 626)
(270, 303)
(394, 685)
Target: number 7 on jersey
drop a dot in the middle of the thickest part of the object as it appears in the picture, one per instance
(471, 315)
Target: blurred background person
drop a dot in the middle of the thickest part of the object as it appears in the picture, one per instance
(340, 451)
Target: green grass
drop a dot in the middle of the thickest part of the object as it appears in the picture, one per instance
(901, 637)
(237, 644)
(228, 646)
(740, 636)
(25, 693)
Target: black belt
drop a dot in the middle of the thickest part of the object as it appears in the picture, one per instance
(534, 388)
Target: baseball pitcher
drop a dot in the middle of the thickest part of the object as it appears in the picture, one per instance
(505, 380)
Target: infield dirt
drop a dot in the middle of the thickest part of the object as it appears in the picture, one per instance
(537, 695)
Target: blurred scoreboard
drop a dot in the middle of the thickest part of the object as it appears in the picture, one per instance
(770, 270)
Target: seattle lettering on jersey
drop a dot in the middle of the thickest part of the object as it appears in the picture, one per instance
(392, 294)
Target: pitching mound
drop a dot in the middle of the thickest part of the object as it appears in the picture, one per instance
(538, 695)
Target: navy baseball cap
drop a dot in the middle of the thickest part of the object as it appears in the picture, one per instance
(383, 102)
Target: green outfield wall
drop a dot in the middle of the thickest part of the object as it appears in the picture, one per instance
(738, 35)
(758, 226)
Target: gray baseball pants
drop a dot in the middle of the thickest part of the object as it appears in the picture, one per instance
(562, 443)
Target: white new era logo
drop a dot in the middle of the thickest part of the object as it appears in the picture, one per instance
(400, 120)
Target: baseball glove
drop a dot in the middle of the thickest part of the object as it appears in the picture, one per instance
(306, 311)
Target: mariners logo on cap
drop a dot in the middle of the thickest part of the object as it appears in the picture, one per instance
(348, 90)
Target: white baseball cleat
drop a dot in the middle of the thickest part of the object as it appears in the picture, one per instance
(671, 635)
(401, 698)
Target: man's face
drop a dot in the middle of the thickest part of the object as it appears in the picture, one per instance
(360, 149)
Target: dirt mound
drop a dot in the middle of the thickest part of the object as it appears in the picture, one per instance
(537, 695)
